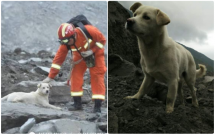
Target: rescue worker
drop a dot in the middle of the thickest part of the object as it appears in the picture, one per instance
(69, 35)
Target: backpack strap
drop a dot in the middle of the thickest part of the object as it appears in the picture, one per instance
(86, 40)
(81, 25)
(78, 51)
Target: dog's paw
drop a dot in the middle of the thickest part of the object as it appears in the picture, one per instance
(128, 97)
(196, 104)
(169, 110)
(132, 97)
(59, 108)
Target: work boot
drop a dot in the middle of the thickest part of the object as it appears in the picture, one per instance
(97, 107)
(77, 104)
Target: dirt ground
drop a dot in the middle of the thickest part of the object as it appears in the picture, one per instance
(148, 115)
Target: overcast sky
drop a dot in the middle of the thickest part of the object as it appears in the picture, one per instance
(192, 23)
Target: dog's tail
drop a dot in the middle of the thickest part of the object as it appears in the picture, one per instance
(4, 99)
(201, 71)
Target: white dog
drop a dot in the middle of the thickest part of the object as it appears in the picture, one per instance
(162, 58)
(39, 97)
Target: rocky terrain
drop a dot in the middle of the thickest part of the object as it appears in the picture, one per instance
(21, 71)
(148, 115)
(118, 36)
(28, 45)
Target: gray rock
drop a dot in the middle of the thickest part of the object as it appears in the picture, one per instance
(35, 59)
(64, 126)
(88, 127)
(211, 90)
(23, 61)
(43, 127)
(60, 94)
(23, 53)
(18, 88)
(44, 54)
(201, 87)
(27, 125)
(12, 69)
(103, 117)
(41, 70)
(32, 60)
(17, 50)
(16, 114)
(119, 66)
(102, 126)
(34, 83)
(92, 117)
(12, 131)
(47, 60)
(189, 99)
(208, 79)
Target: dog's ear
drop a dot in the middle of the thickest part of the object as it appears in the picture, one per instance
(39, 85)
(162, 18)
(135, 6)
(50, 85)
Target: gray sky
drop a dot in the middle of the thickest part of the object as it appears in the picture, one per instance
(192, 23)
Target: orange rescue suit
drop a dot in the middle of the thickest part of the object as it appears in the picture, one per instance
(97, 72)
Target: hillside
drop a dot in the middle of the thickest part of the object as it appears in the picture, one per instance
(120, 41)
(201, 59)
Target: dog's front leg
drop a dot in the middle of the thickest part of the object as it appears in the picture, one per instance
(145, 86)
(51, 106)
(54, 107)
(171, 95)
(180, 92)
(16, 100)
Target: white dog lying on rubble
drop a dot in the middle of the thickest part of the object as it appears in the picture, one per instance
(38, 97)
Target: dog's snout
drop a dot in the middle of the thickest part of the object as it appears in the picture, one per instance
(130, 22)
(47, 91)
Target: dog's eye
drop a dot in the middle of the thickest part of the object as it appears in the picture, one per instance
(135, 15)
(146, 17)
(43, 87)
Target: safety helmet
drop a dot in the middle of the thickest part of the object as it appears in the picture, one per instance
(66, 31)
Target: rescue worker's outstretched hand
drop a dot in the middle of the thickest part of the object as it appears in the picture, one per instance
(87, 53)
(47, 80)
